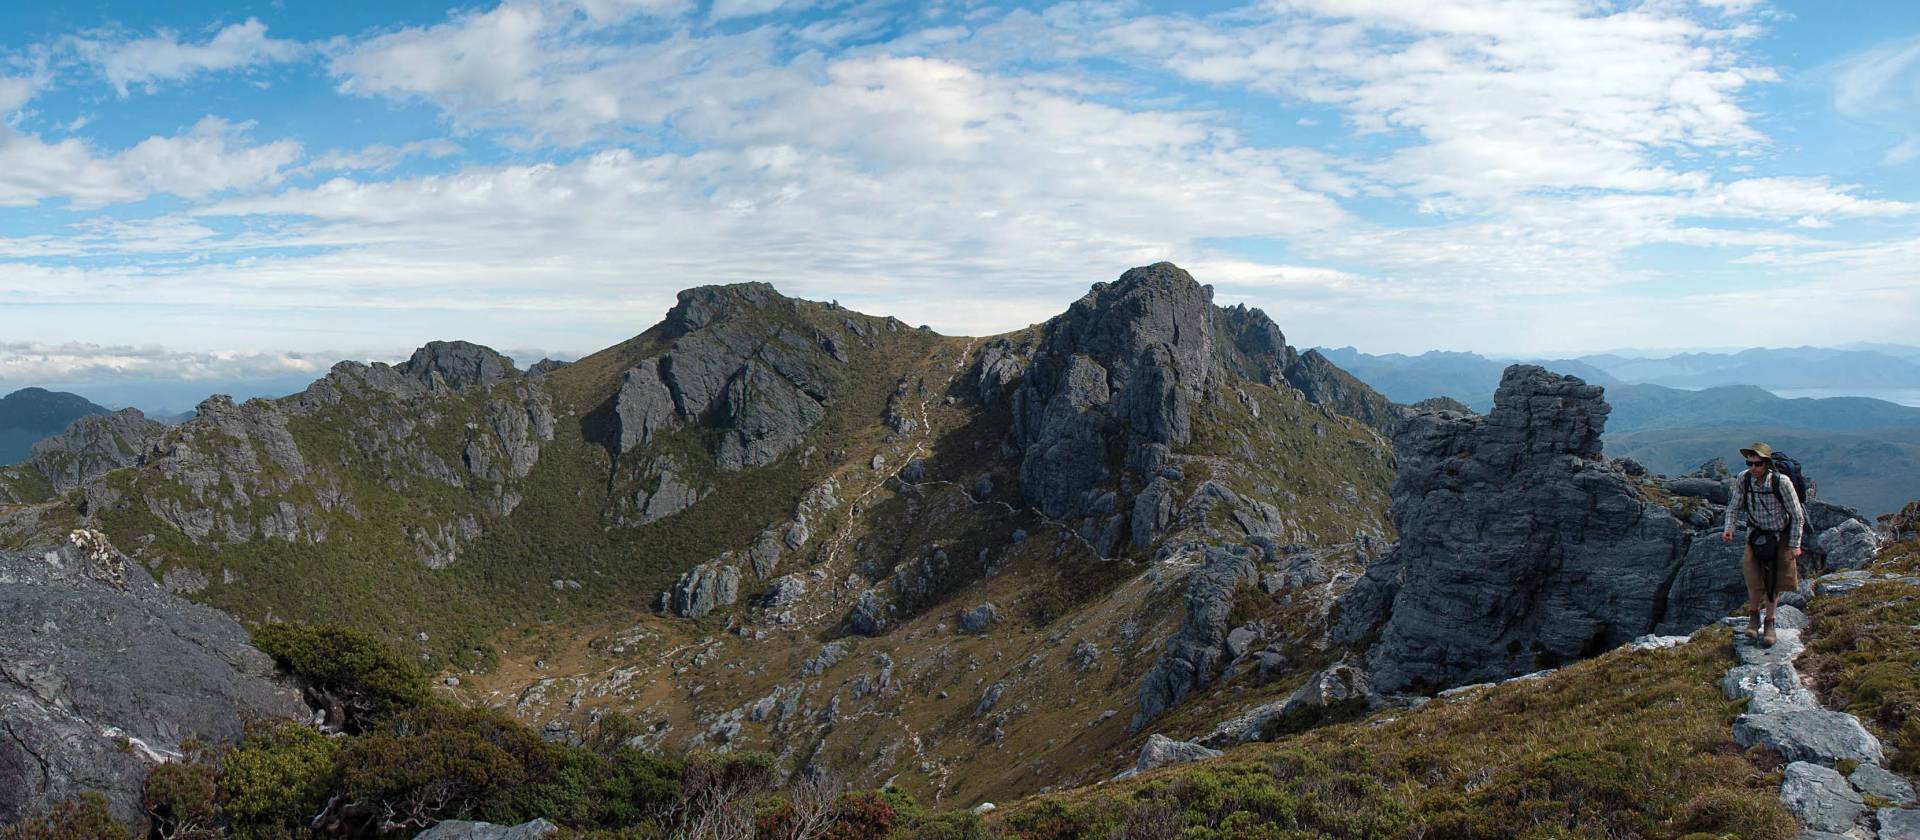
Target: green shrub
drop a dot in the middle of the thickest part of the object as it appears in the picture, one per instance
(178, 797)
(85, 817)
(434, 763)
(354, 676)
(276, 780)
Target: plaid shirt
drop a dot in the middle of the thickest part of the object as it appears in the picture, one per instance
(1769, 513)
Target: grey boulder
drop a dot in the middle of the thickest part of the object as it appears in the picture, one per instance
(1851, 544)
(464, 830)
(103, 673)
(1821, 798)
(1816, 735)
(1160, 751)
(1881, 782)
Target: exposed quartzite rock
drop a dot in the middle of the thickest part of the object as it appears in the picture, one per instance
(465, 830)
(1899, 824)
(766, 416)
(457, 366)
(1821, 797)
(1125, 365)
(1340, 683)
(1255, 348)
(93, 446)
(86, 663)
(703, 589)
(643, 405)
(1881, 782)
(1326, 384)
(1194, 654)
(764, 391)
(869, 615)
(1521, 501)
(978, 619)
(1000, 365)
(1849, 545)
(1160, 751)
(1817, 735)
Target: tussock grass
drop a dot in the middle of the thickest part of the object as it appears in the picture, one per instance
(1864, 654)
(1631, 744)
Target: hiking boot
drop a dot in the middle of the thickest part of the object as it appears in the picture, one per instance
(1769, 637)
(1753, 625)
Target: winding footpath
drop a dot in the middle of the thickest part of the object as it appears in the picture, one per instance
(1818, 744)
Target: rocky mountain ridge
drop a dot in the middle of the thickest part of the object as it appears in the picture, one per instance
(974, 567)
(794, 471)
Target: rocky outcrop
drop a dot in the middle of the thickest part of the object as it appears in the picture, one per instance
(703, 589)
(1160, 751)
(456, 366)
(735, 364)
(466, 830)
(1121, 371)
(1327, 385)
(103, 673)
(1339, 685)
(1521, 547)
(1192, 658)
(94, 446)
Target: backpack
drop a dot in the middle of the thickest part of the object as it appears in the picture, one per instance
(1788, 467)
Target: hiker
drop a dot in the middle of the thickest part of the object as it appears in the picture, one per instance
(1771, 508)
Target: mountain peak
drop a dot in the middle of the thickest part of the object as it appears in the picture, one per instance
(457, 365)
(701, 305)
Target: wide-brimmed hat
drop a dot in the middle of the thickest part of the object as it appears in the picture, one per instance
(1758, 450)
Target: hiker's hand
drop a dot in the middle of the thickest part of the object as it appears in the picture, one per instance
(1793, 554)
(1726, 536)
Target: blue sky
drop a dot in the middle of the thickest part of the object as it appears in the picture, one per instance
(230, 190)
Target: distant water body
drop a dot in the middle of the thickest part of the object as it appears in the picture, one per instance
(1903, 396)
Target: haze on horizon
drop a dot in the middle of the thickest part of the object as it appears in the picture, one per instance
(219, 193)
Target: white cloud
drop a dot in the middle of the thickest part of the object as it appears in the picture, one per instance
(29, 362)
(15, 92)
(1503, 97)
(209, 157)
(163, 57)
(206, 159)
(730, 9)
(380, 157)
(1882, 86)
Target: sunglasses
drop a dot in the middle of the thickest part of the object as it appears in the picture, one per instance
(1756, 463)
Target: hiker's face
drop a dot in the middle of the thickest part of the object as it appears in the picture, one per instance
(1757, 465)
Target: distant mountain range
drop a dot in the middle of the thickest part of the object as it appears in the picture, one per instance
(1865, 452)
(1470, 377)
(31, 414)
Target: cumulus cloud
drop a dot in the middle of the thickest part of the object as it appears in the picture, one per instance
(212, 156)
(1487, 164)
(163, 57)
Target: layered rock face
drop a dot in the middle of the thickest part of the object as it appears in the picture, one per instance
(1521, 547)
(1115, 378)
(103, 673)
(92, 447)
(765, 385)
(457, 366)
